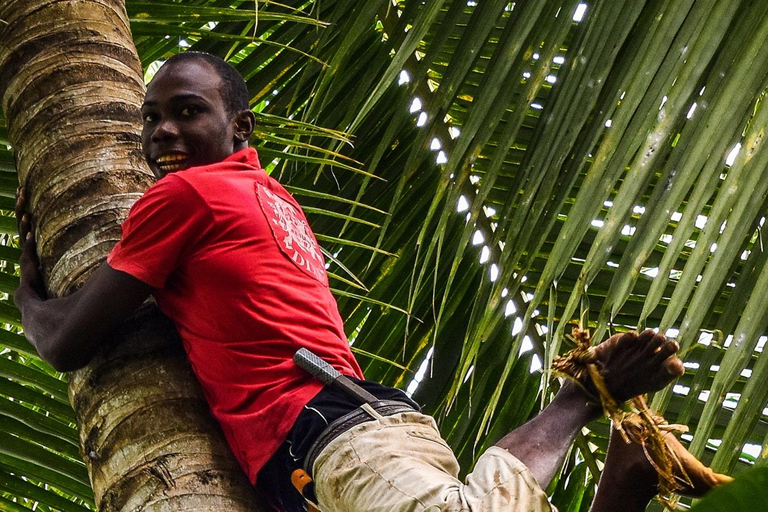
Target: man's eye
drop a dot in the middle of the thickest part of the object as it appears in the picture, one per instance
(188, 111)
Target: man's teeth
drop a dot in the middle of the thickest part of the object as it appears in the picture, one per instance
(170, 167)
(171, 162)
(170, 158)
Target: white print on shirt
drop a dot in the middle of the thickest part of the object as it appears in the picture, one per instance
(292, 234)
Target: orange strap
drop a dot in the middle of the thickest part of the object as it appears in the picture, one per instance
(300, 479)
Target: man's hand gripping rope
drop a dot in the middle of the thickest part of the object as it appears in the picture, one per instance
(598, 370)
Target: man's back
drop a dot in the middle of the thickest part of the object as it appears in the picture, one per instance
(236, 267)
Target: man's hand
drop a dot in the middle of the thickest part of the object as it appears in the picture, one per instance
(29, 263)
(631, 364)
(23, 218)
(634, 364)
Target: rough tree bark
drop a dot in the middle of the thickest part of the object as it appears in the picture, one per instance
(71, 86)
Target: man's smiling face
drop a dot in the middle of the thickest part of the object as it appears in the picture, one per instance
(185, 120)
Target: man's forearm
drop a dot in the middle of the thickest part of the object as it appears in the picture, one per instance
(542, 443)
(66, 331)
(43, 321)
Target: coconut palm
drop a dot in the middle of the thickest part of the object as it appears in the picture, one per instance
(515, 169)
(73, 87)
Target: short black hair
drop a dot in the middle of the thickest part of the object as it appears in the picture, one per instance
(234, 92)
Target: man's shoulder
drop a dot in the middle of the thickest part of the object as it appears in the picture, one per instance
(220, 178)
(171, 185)
(171, 191)
(207, 182)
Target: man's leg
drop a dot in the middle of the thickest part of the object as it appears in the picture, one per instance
(628, 478)
(631, 364)
(400, 463)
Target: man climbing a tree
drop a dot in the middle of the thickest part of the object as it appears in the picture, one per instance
(228, 255)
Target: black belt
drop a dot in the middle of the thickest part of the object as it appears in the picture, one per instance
(349, 420)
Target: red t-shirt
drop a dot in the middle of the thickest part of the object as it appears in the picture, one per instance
(234, 263)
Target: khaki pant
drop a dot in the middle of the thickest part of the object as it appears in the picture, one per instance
(400, 463)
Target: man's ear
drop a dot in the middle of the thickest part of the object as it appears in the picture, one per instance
(244, 123)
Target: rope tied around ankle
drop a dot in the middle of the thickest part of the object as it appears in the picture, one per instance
(633, 419)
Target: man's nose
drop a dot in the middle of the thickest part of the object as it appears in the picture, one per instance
(165, 130)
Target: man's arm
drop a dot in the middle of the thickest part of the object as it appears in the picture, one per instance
(67, 331)
(632, 365)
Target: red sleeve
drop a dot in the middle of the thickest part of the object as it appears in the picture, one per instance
(162, 226)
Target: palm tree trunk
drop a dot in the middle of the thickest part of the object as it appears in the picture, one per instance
(71, 86)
